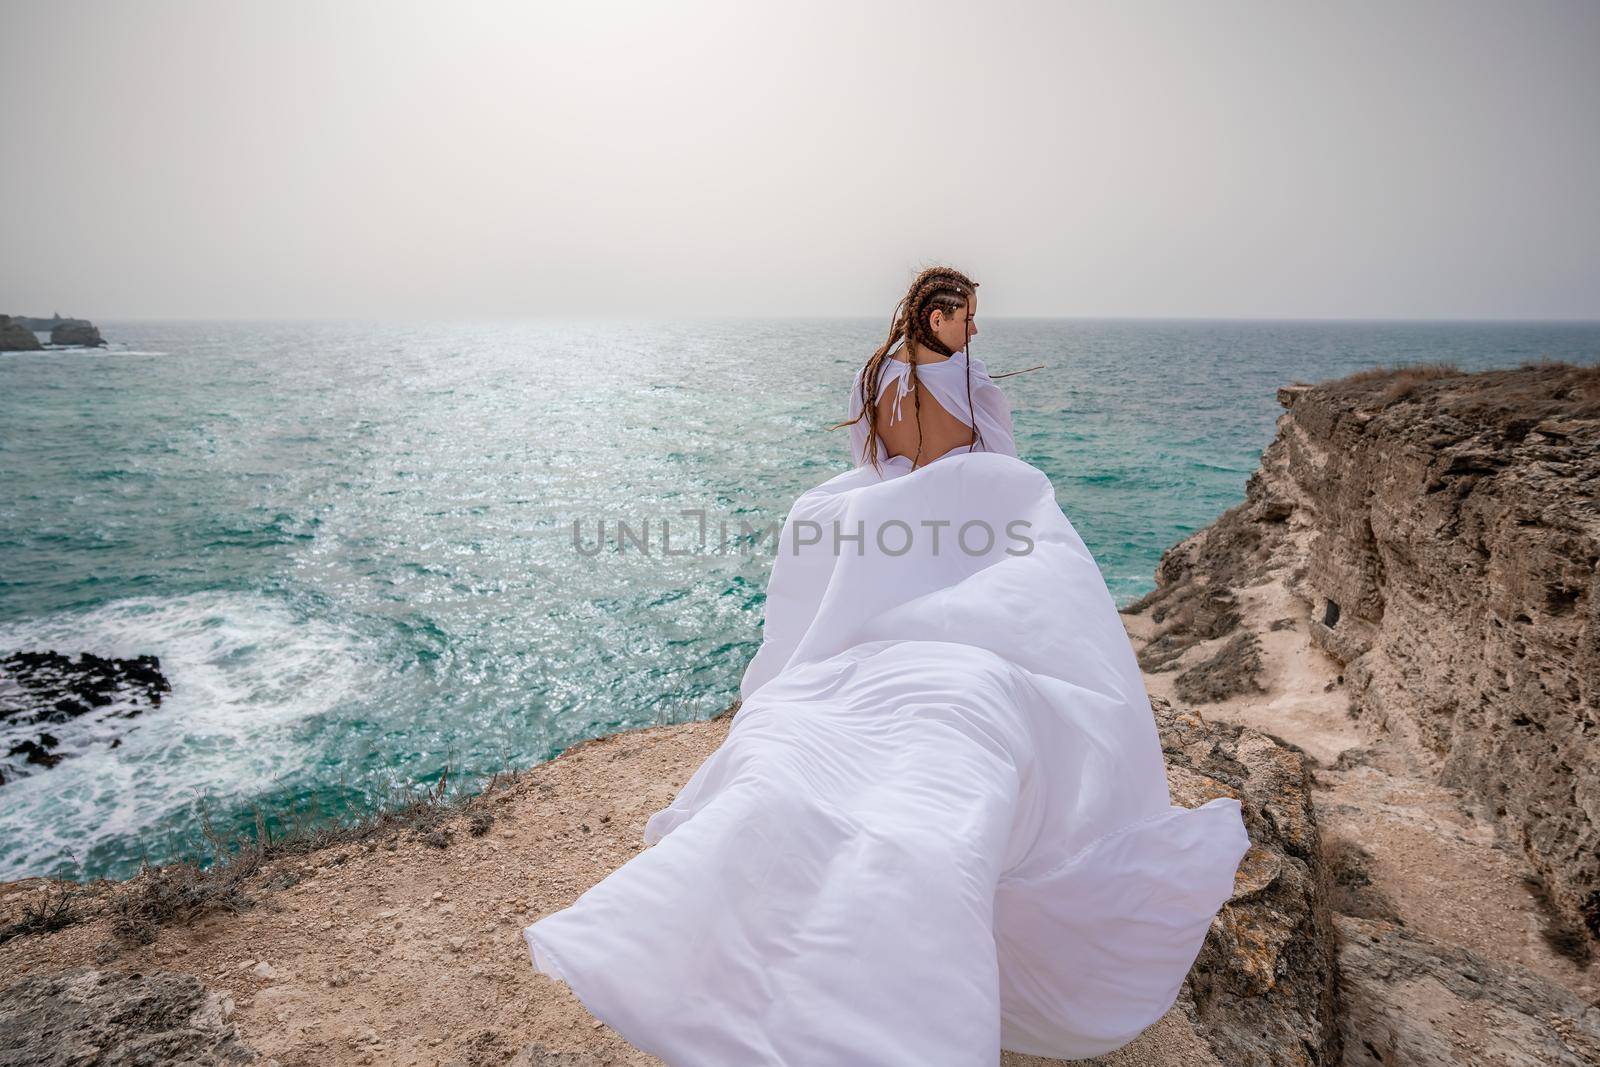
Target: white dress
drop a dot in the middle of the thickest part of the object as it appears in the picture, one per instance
(939, 825)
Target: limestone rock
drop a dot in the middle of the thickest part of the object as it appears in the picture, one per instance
(1233, 669)
(83, 1016)
(1454, 571)
(1445, 529)
(1264, 989)
(1413, 1000)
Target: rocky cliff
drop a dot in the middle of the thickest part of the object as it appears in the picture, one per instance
(1451, 568)
(1409, 591)
(1455, 570)
(404, 944)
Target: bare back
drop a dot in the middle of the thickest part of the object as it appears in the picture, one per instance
(941, 431)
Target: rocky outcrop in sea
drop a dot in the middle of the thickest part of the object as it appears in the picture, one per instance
(76, 333)
(21, 335)
(16, 336)
(53, 706)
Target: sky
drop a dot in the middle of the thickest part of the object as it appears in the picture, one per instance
(290, 159)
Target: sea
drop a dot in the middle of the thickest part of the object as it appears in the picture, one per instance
(375, 556)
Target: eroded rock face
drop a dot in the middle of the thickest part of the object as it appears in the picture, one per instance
(1195, 600)
(1454, 572)
(1445, 528)
(1410, 999)
(1264, 990)
(1232, 669)
(16, 336)
(87, 1016)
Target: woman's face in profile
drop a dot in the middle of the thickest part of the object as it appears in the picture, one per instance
(956, 329)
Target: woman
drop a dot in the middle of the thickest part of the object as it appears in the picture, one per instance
(939, 825)
(931, 361)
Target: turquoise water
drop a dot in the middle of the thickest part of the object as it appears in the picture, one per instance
(351, 544)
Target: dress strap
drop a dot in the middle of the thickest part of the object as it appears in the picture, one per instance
(902, 371)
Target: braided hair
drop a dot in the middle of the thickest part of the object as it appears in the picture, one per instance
(936, 288)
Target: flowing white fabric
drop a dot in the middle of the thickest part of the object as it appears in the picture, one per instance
(939, 825)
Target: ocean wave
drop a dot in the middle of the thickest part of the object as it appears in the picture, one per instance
(243, 668)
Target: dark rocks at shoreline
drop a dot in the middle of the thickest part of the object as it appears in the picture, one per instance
(42, 691)
(19, 333)
(15, 336)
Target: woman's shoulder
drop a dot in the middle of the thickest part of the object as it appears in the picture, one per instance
(980, 369)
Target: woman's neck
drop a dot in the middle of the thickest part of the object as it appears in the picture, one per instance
(919, 354)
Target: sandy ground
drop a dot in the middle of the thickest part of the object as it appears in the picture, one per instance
(415, 955)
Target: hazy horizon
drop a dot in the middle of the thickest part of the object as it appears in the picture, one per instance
(1240, 161)
(556, 317)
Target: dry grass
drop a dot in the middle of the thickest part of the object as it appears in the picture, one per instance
(58, 906)
(1401, 380)
(682, 710)
(1513, 399)
(1413, 371)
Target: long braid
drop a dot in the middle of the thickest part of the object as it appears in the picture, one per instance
(943, 288)
(869, 380)
(977, 432)
(916, 408)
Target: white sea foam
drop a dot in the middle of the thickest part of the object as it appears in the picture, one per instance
(243, 670)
